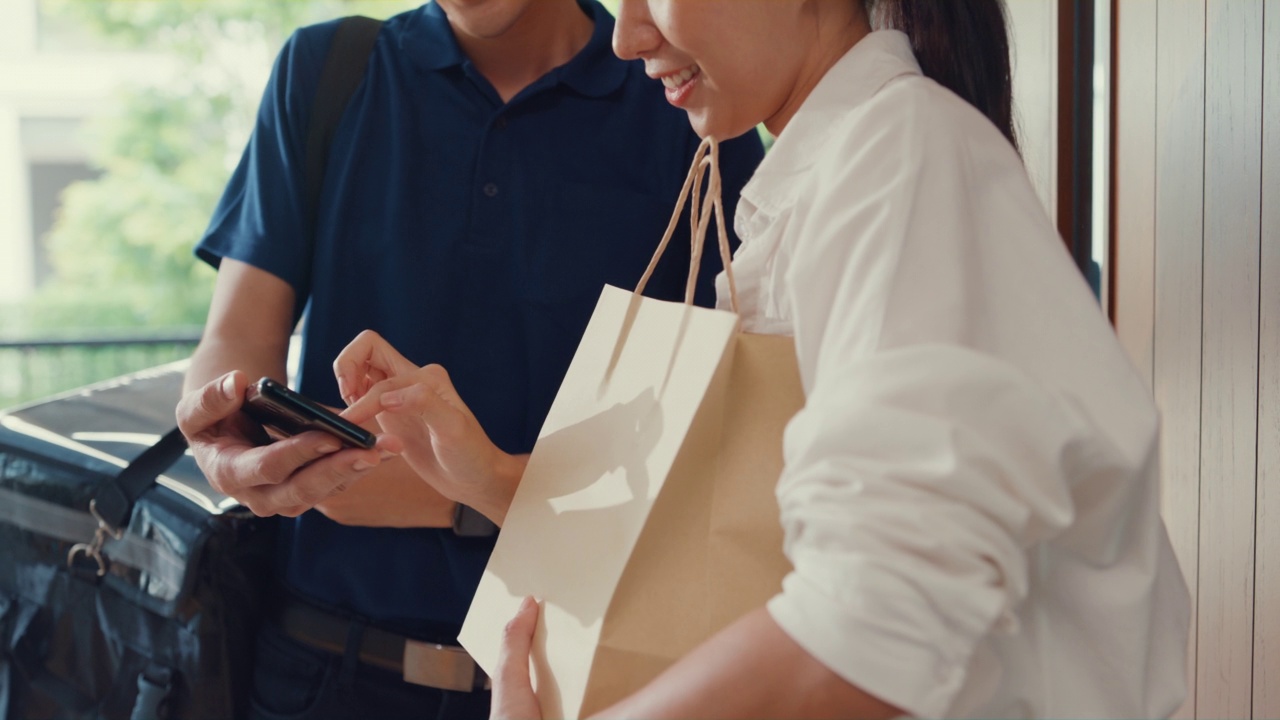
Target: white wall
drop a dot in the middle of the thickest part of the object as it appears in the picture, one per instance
(36, 84)
(17, 40)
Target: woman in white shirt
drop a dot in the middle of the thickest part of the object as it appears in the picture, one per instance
(970, 492)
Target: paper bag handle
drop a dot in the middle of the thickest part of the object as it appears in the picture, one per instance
(705, 160)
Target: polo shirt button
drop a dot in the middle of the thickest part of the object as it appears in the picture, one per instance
(490, 189)
(501, 122)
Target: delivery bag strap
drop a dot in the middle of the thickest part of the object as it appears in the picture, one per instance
(52, 520)
(342, 74)
(155, 694)
(113, 503)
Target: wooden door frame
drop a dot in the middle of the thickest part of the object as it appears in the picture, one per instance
(1075, 181)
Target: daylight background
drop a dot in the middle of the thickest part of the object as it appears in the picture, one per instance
(120, 122)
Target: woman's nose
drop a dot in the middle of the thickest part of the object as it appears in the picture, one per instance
(634, 35)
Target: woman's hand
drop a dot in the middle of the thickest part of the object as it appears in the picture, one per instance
(426, 422)
(366, 361)
(513, 697)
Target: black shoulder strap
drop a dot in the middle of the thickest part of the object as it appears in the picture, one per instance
(343, 72)
(114, 499)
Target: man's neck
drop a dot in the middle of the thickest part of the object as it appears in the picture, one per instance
(546, 36)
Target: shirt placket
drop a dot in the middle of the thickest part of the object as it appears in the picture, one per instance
(492, 187)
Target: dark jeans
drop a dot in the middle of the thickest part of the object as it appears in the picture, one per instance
(293, 681)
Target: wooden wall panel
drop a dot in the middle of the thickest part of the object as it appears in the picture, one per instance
(1134, 181)
(1034, 30)
(1179, 228)
(1228, 469)
(1214, 343)
(1266, 631)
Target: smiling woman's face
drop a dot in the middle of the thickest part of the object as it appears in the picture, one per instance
(732, 64)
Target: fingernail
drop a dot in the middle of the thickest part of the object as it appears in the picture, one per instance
(361, 465)
(392, 400)
(328, 447)
(229, 386)
(350, 399)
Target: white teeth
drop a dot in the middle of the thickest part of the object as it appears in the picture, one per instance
(680, 78)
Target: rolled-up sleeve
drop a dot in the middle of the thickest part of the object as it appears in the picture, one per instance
(923, 466)
(915, 481)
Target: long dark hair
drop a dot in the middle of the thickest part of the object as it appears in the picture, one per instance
(963, 45)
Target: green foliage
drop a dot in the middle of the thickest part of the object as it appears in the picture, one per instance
(183, 26)
(121, 248)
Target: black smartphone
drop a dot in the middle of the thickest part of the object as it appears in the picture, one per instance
(276, 406)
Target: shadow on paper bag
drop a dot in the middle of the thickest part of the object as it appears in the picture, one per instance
(602, 476)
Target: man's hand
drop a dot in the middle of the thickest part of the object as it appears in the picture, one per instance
(513, 697)
(287, 477)
(425, 421)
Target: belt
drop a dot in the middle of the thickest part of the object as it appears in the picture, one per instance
(445, 667)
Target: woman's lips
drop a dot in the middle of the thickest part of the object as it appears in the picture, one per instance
(679, 84)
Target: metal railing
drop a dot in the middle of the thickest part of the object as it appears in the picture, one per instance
(38, 367)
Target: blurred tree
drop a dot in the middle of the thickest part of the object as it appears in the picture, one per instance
(121, 246)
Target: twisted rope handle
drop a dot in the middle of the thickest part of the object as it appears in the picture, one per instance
(706, 161)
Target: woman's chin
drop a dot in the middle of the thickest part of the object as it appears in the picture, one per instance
(708, 125)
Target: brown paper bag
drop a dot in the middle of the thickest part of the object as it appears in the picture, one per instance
(646, 519)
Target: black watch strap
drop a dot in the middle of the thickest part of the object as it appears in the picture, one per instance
(468, 522)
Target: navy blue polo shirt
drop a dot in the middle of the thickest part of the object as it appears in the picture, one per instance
(468, 232)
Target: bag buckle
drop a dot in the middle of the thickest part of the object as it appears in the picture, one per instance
(93, 548)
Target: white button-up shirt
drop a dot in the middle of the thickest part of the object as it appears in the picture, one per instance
(970, 496)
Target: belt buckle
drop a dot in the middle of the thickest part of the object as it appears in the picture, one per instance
(440, 666)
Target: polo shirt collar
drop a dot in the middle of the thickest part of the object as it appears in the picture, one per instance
(429, 40)
(594, 71)
(867, 67)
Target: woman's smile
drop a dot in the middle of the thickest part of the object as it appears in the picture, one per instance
(679, 83)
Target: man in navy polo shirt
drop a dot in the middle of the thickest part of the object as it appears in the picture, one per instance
(495, 168)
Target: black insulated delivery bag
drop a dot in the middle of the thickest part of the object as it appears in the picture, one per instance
(129, 588)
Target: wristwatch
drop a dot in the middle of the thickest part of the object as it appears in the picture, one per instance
(467, 522)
